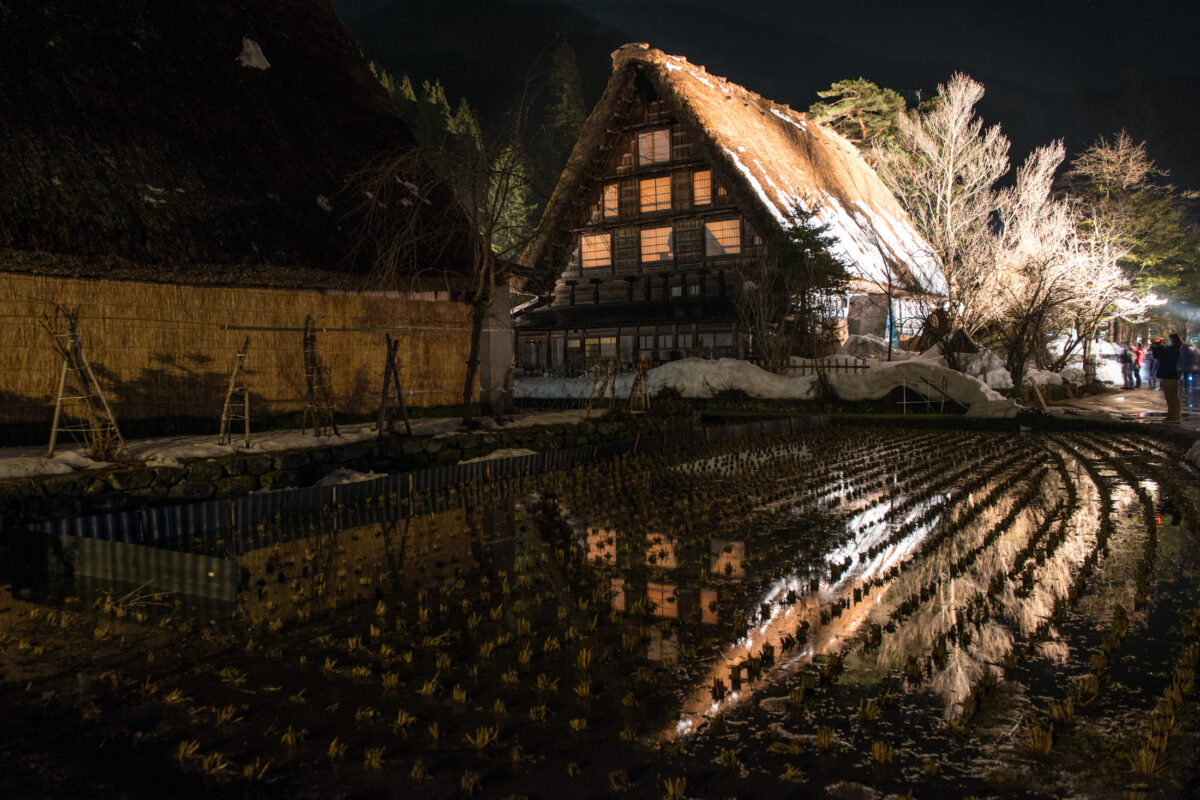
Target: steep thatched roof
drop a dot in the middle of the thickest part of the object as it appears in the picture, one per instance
(770, 156)
(179, 135)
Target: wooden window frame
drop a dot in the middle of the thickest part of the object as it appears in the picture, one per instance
(713, 232)
(654, 147)
(662, 256)
(595, 238)
(610, 200)
(654, 194)
(702, 187)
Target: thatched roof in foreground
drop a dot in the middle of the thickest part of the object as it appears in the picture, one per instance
(185, 135)
(770, 156)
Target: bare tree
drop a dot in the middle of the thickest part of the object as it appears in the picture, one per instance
(464, 204)
(1035, 280)
(944, 171)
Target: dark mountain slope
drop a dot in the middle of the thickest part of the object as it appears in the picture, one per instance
(132, 129)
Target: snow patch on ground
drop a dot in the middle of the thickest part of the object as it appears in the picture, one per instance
(507, 452)
(342, 475)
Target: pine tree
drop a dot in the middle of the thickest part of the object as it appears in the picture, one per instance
(860, 110)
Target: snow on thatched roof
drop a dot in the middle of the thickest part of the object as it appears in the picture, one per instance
(772, 157)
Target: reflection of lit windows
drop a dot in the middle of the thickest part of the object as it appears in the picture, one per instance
(655, 194)
(654, 147)
(602, 545)
(660, 552)
(708, 605)
(656, 245)
(721, 238)
(702, 187)
(618, 594)
(597, 249)
(610, 200)
(662, 595)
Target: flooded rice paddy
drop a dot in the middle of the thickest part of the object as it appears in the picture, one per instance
(847, 613)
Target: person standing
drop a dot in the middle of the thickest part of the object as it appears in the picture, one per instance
(1168, 372)
(1139, 355)
(1127, 366)
(1152, 365)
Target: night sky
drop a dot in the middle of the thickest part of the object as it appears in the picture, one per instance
(1069, 69)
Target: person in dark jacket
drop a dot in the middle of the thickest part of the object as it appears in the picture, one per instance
(1168, 372)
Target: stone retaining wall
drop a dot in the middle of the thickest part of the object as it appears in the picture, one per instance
(123, 488)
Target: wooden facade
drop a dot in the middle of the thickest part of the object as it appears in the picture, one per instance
(654, 263)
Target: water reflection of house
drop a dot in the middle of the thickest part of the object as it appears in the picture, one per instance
(728, 558)
(349, 565)
(660, 551)
(602, 545)
(662, 598)
(677, 181)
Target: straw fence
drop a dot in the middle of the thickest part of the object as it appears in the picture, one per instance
(163, 350)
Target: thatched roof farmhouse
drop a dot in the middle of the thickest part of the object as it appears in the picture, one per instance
(679, 174)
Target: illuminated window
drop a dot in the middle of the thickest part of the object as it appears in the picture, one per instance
(655, 194)
(654, 147)
(685, 341)
(693, 290)
(721, 191)
(610, 200)
(677, 291)
(722, 237)
(656, 245)
(646, 342)
(702, 187)
(597, 249)
(665, 341)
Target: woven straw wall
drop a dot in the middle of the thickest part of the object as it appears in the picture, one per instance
(163, 350)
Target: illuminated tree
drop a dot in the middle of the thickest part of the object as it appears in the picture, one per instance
(944, 171)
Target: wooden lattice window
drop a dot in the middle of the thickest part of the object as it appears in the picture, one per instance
(597, 249)
(654, 147)
(656, 245)
(702, 187)
(610, 200)
(723, 237)
(655, 194)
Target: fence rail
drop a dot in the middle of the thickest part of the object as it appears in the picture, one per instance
(820, 365)
(376, 500)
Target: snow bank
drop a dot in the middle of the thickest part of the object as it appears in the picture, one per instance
(1042, 377)
(871, 348)
(918, 374)
(62, 462)
(700, 378)
(1072, 375)
(990, 368)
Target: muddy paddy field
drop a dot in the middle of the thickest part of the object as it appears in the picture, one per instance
(846, 613)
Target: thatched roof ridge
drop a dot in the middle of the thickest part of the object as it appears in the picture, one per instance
(771, 158)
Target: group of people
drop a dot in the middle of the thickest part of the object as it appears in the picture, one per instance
(1167, 363)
